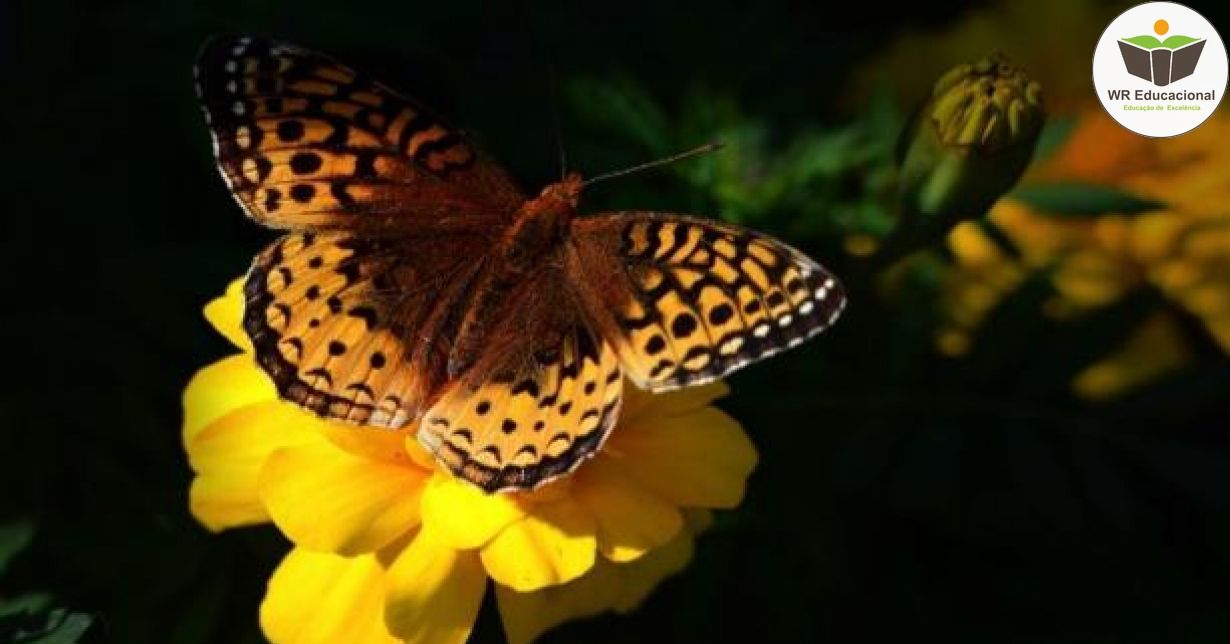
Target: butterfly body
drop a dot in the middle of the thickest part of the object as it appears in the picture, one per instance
(536, 236)
(542, 224)
(418, 288)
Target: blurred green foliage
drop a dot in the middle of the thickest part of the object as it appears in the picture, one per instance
(29, 617)
(1083, 200)
(900, 495)
(817, 182)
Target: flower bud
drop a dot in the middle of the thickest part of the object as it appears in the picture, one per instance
(969, 143)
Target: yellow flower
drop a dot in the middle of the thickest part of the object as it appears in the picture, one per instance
(388, 547)
(1181, 250)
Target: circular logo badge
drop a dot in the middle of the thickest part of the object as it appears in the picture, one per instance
(1160, 69)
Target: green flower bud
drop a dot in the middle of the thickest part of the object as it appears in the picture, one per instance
(968, 144)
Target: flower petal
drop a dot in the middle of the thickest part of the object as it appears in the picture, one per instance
(639, 578)
(379, 444)
(433, 592)
(526, 616)
(639, 403)
(329, 500)
(319, 598)
(554, 544)
(697, 520)
(221, 388)
(607, 586)
(462, 515)
(227, 455)
(631, 519)
(700, 459)
(226, 315)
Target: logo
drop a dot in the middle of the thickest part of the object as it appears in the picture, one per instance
(1160, 45)
(1161, 62)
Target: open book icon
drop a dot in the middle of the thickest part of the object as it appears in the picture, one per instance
(1161, 62)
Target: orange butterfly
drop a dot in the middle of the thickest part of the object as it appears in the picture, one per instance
(418, 283)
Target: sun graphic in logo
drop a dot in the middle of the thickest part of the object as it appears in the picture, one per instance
(1161, 27)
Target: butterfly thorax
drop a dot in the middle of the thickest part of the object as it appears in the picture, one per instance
(534, 239)
(539, 228)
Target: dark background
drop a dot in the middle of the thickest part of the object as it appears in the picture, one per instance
(900, 496)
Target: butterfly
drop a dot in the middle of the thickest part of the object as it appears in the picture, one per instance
(416, 283)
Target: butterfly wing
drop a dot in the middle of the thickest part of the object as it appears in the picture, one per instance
(305, 142)
(542, 399)
(686, 300)
(356, 329)
(393, 212)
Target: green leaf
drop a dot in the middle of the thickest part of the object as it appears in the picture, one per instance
(27, 604)
(1082, 200)
(1053, 135)
(60, 626)
(15, 537)
(63, 627)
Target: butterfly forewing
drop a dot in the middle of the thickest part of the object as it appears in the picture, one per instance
(305, 142)
(685, 300)
(357, 329)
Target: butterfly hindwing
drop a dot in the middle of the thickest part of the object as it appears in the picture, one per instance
(305, 142)
(685, 300)
(538, 404)
(357, 329)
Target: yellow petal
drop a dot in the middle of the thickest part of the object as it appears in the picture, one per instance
(639, 578)
(462, 515)
(607, 586)
(226, 315)
(1219, 328)
(971, 247)
(433, 592)
(227, 455)
(526, 616)
(374, 443)
(700, 459)
(1092, 278)
(631, 519)
(329, 500)
(554, 544)
(419, 454)
(319, 598)
(639, 403)
(1157, 347)
(697, 520)
(220, 388)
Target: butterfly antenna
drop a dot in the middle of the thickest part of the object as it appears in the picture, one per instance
(712, 146)
(558, 131)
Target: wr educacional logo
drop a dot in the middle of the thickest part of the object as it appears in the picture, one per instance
(1181, 58)
(1161, 62)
